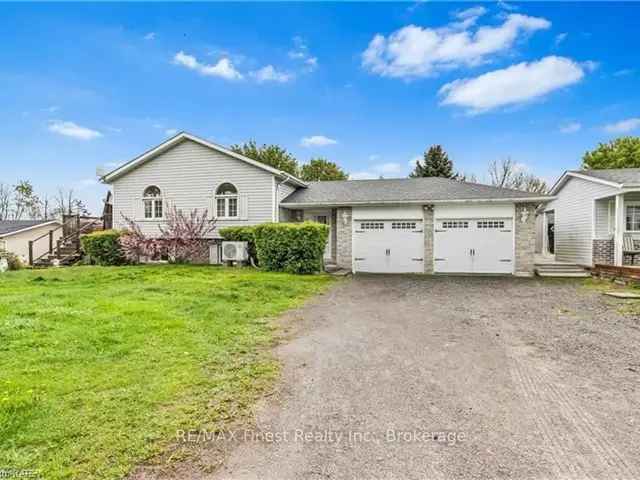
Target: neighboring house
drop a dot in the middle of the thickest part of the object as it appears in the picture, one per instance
(16, 234)
(421, 225)
(592, 212)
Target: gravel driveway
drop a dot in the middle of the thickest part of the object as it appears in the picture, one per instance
(401, 377)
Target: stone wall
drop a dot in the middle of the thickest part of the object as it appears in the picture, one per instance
(344, 232)
(603, 252)
(428, 238)
(525, 232)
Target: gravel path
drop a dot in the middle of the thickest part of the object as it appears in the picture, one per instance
(517, 378)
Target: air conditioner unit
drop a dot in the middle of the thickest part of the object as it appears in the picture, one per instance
(235, 251)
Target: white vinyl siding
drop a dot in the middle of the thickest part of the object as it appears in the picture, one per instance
(574, 223)
(604, 210)
(284, 190)
(188, 175)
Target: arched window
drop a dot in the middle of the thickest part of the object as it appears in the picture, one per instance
(152, 199)
(227, 201)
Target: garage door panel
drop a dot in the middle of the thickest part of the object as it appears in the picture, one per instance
(388, 246)
(473, 245)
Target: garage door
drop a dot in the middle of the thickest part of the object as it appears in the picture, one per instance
(473, 245)
(388, 246)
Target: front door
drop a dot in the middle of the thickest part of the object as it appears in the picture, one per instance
(324, 219)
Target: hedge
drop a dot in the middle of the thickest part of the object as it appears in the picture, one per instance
(291, 247)
(13, 261)
(103, 247)
(241, 234)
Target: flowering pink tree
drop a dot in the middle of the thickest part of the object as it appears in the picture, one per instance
(136, 245)
(182, 238)
(184, 234)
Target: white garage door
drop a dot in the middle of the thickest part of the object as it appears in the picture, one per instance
(473, 245)
(388, 246)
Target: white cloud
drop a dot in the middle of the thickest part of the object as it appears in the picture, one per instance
(623, 72)
(389, 168)
(150, 36)
(561, 37)
(363, 176)
(170, 132)
(413, 51)
(301, 53)
(623, 126)
(468, 17)
(270, 74)
(571, 127)
(70, 129)
(506, 6)
(223, 69)
(412, 162)
(317, 141)
(512, 85)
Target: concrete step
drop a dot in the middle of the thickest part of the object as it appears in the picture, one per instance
(560, 270)
(582, 274)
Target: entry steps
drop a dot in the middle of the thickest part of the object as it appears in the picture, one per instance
(560, 270)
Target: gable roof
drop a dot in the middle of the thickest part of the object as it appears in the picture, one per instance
(181, 137)
(613, 177)
(11, 227)
(403, 190)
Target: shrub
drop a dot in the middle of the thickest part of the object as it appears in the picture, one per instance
(13, 260)
(103, 247)
(291, 247)
(241, 234)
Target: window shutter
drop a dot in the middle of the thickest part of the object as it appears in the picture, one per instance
(243, 200)
(212, 207)
(138, 209)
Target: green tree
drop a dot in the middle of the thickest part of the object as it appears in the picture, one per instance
(623, 152)
(25, 201)
(435, 163)
(321, 169)
(272, 155)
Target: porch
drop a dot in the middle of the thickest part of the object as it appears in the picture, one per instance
(616, 230)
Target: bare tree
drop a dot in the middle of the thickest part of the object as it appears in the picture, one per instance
(6, 194)
(25, 201)
(508, 174)
(68, 204)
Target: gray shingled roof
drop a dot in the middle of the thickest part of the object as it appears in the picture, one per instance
(399, 190)
(616, 175)
(10, 226)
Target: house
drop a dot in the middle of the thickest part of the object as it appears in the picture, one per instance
(15, 236)
(591, 213)
(418, 225)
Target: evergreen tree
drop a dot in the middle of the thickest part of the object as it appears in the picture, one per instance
(435, 163)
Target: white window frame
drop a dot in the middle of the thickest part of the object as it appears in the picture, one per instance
(155, 200)
(226, 199)
(626, 206)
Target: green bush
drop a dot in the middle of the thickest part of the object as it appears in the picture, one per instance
(291, 247)
(103, 247)
(13, 260)
(241, 234)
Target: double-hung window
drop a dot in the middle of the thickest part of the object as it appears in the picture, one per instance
(227, 201)
(152, 202)
(633, 218)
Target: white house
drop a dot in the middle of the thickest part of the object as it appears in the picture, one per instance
(420, 225)
(15, 236)
(594, 217)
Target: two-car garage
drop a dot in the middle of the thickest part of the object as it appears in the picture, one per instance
(465, 239)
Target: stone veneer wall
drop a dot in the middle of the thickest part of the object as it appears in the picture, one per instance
(427, 226)
(344, 232)
(525, 232)
(603, 251)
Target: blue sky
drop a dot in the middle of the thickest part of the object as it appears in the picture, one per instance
(368, 85)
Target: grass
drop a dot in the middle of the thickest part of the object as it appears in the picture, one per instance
(624, 306)
(100, 366)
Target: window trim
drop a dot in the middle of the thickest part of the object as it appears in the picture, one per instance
(626, 206)
(154, 201)
(226, 198)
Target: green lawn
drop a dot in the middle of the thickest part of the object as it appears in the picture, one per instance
(100, 366)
